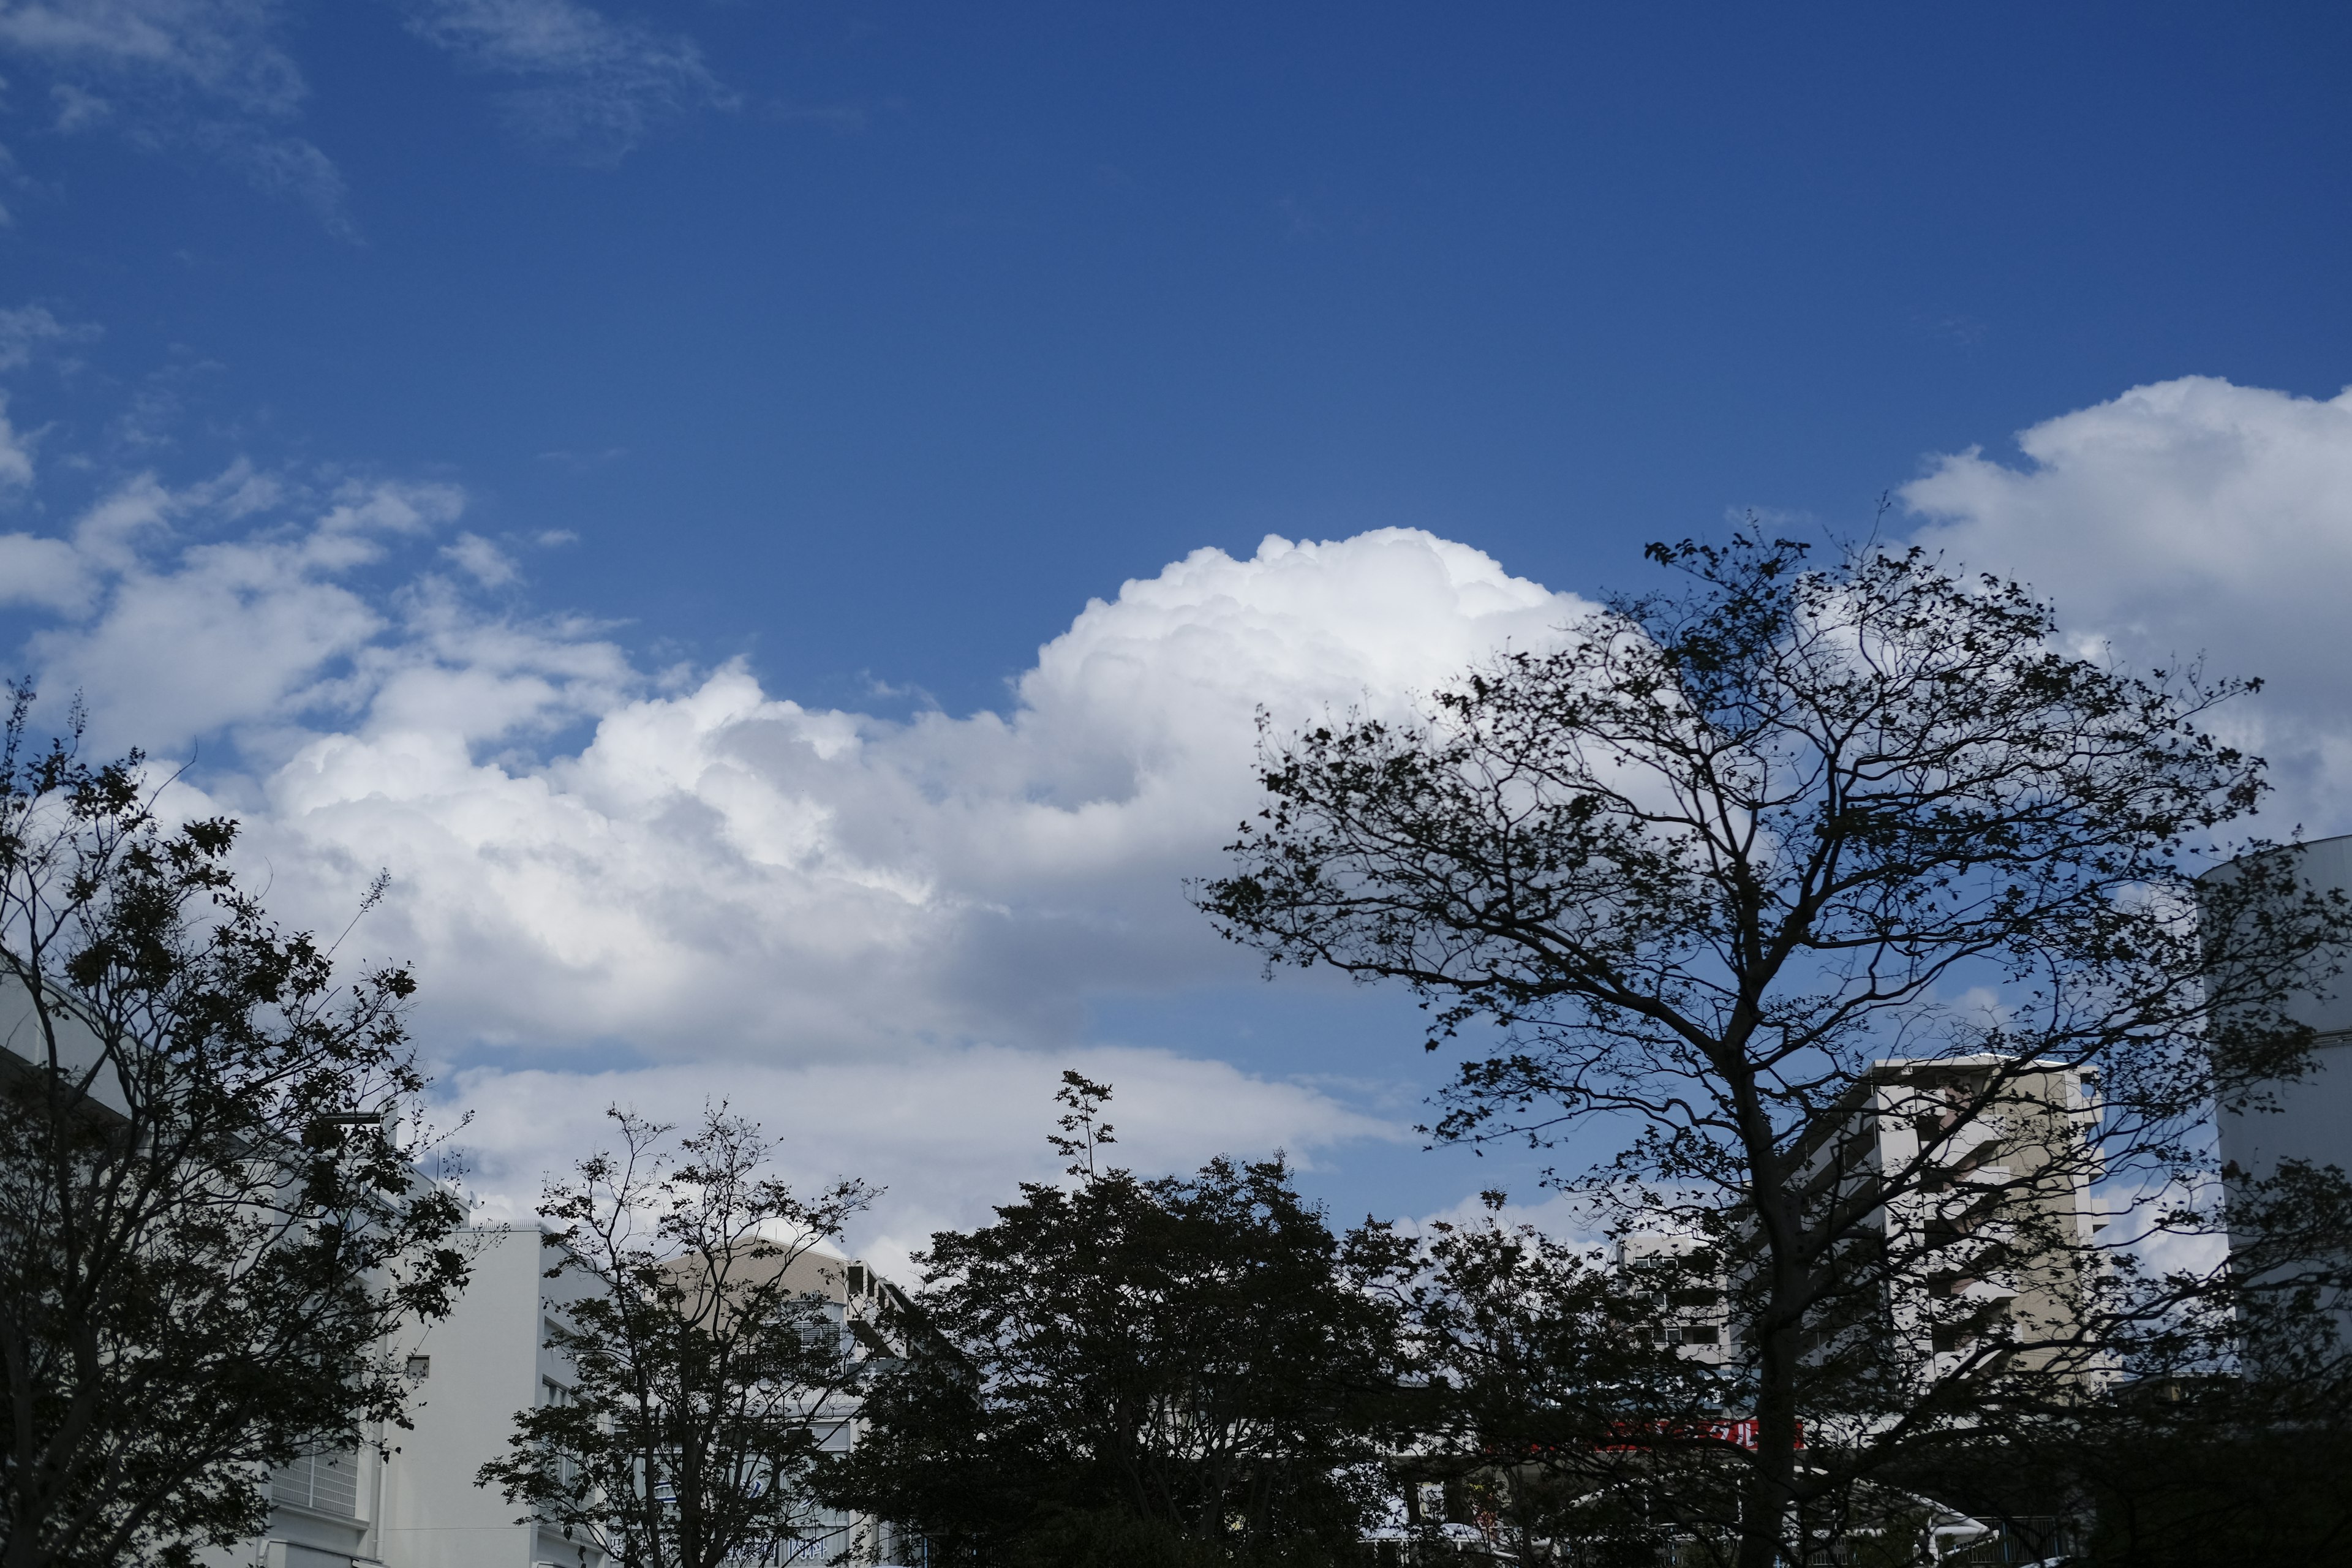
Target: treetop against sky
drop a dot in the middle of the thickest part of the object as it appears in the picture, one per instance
(774, 523)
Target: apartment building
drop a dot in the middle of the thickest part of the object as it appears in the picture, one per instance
(1687, 1288)
(1984, 1168)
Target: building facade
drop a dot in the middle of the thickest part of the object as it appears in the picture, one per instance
(2310, 1120)
(1986, 1224)
(418, 1506)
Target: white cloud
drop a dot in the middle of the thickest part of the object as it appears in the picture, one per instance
(886, 933)
(224, 50)
(2185, 518)
(217, 76)
(482, 560)
(722, 871)
(594, 87)
(41, 572)
(892, 928)
(172, 638)
(78, 108)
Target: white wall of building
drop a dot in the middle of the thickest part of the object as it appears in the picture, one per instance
(482, 1363)
(2312, 1117)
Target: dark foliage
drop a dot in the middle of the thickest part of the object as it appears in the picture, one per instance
(1123, 1370)
(206, 1222)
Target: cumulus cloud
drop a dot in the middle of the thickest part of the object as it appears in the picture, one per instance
(2190, 517)
(889, 929)
(621, 885)
(593, 86)
(723, 872)
(173, 634)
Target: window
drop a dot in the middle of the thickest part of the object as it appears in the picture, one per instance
(420, 1367)
(551, 1392)
(323, 1483)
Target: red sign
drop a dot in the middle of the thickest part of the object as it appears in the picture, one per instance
(1739, 1433)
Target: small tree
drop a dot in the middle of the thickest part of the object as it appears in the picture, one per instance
(206, 1224)
(1178, 1369)
(1869, 909)
(708, 1354)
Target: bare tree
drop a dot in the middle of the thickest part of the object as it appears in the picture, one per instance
(708, 1356)
(206, 1222)
(1870, 908)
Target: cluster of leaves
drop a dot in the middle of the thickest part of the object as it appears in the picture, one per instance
(1175, 1370)
(708, 1354)
(208, 1224)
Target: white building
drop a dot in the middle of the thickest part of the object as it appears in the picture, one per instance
(407, 1498)
(2312, 1118)
(418, 1506)
(472, 1372)
(2309, 1119)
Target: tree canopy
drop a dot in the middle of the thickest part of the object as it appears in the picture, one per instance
(1870, 904)
(208, 1222)
(1131, 1369)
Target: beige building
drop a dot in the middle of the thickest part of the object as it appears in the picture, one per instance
(1993, 1237)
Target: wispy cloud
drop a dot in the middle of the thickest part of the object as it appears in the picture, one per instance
(28, 332)
(211, 75)
(218, 78)
(593, 88)
(222, 50)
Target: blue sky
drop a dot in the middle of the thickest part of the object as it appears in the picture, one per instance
(863, 345)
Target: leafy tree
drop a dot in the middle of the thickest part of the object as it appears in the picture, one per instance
(1870, 908)
(1174, 1370)
(206, 1224)
(708, 1357)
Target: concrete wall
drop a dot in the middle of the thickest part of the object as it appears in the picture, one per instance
(484, 1363)
(2314, 1117)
